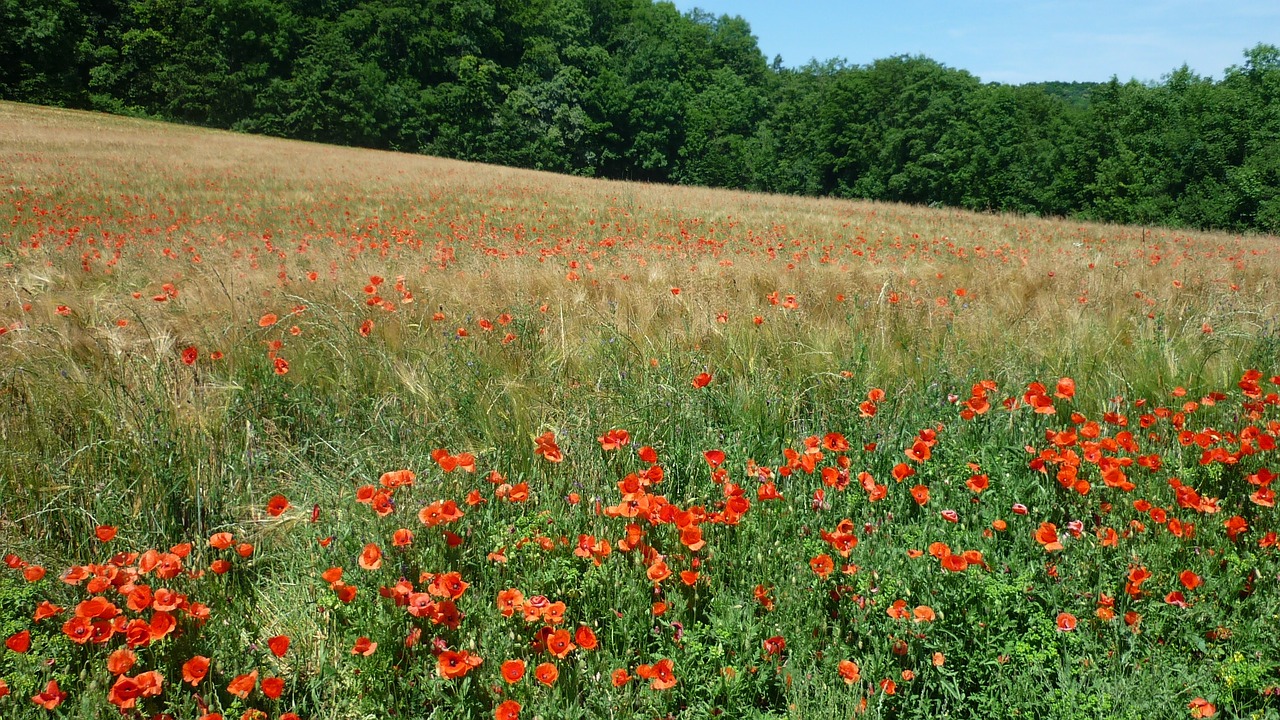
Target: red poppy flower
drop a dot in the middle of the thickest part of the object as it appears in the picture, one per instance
(516, 493)
(702, 380)
(1066, 622)
(397, 478)
(546, 673)
(545, 445)
(559, 643)
(509, 601)
(714, 458)
(448, 585)
(658, 571)
(1047, 535)
(513, 671)
(452, 664)
(775, 645)
(691, 537)
(1190, 580)
(920, 493)
(198, 612)
(161, 624)
(919, 451)
(1201, 708)
(768, 491)
(364, 646)
(822, 565)
(46, 610)
(194, 670)
(51, 697)
(1136, 577)
(835, 442)
(279, 645)
(585, 637)
(105, 533)
(1235, 526)
(849, 671)
(121, 661)
(19, 642)
(97, 607)
(662, 675)
(370, 557)
(277, 505)
(508, 710)
(420, 604)
(273, 687)
(954, 563)
(242, 685)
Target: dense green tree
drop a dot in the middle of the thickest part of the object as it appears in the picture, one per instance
(882, 124)
(791, 150)
(1010, 149)
(1255, 180)
(42, 50)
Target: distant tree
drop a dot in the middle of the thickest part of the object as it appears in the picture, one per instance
(1075, 94)
(1255, 104)
(42, 48)
(1010, 149)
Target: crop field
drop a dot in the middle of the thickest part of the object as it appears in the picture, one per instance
(298, 431)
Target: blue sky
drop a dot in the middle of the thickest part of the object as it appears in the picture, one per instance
(1014, 42)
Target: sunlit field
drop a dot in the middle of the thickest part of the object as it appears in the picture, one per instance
(297, 431)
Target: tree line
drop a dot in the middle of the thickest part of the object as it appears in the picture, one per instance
(635, 89)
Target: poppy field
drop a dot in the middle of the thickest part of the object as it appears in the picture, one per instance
(297, 431)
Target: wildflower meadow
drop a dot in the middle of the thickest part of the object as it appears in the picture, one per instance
(296, 431)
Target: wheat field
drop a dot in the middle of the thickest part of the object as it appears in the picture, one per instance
(432, 422)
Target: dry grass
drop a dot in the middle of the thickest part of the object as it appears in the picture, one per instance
(1048, 295)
